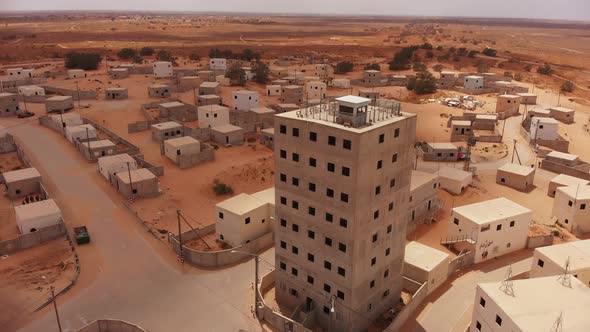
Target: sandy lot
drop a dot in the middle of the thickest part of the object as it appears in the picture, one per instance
(23, 289)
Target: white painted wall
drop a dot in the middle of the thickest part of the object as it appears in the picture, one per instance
(244, 101)
(210, 117)
(162, 69)
(544, 130)
(234, 229)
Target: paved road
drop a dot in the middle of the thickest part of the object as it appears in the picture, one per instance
(133, 282)
(453, 310)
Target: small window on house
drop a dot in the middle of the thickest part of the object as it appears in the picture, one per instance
(379, 164)
(331, 140)
(394, 158)
(341, 271)
(283, 177)
(456, 221)
(313, 136)
(282, 129)
(247, 220)
(283, 223)
(485, 228)
(326, 310)
(295, 181)
(377, 190)
(310, 280)
(312, 162)
(386, 273)
(389, 228)
(295, 205)
(295, 132)
(311, 211)
(295, 157)
(295, 250)
(311, 234)
(570, 203)
(283, 266)
(295, 228)
(283, 245)
(478, 325)
(373, 261)
(294, 271)
(283, 200)
(512, 223)
(396, 132)
(583, 206)
(392, 183)
(311, 187)
(390, 207)
(329, 217)
(283, 154)
(342, 247)
(372, 284)
(330, 192)
(499, 227)
(220, 214)
(331, 167)
(381, 138)
(293, 292)
(346, 144)
(540, 263)
(327, 288)
(376, 214)
(327, 265)
(328, 241)
(343, 223)
(310, 257)
(345, 171)
(386, 293)
(482, 302)
(344, 197)
(498, 320)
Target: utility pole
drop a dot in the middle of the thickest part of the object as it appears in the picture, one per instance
(78, 91)
(195, 95)
(181, 252)
(25, 102)
(55, 307)
(88, 141)
(256, 276)
(130, 180)
(63, 124)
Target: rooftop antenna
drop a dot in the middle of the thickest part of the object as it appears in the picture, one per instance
(566, 279)
(506, 286)
(558, 325)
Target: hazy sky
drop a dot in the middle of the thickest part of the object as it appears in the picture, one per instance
(550, 9)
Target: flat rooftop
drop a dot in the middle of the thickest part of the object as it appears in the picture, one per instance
(465, 123)
(262, 110)
(578, 252)
(453, 173)
(475, 77)
(116, 159)
(245, 92)
(487, 117)
(568, 180)
(59, 98)
(538, 302)
(442, 146)
(36, 210)
(292, 87)
(7, 94)
(103, 143)
(208, 97)
(354, 99)
(266, 195)
(562, 109)
(562, 155)
(516, 169)
(576, 192)
(241, 204)
(508, 96)
(162, 63)
(116, 89)
(268, 131)
(65, 116)
(545, 120)
(166, 125)
(540, 111)
(171, 104)
(79, 128)
(21, 174)
(492, 210)
(526, 94)
(158, 86)
(418, 179)
(137, 175)
(212, 107)
(424, 257)
(319, 115)
(226, 128)
(181, 141)
(122, 70)
(209, 85)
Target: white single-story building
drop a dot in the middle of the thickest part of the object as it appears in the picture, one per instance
(77, 73)
(454, 180)
(552, 260)
(571, 208)
(162, 69)
(273, 90)
(544, 129)
(425, 265)
(109, 166)
(31, 90)
(341, 83)
(244, 100)
(218, 64)
(316, 90)
(473, 82)
(37, 215)
(564, 180)
(212, 116)
(84, 131)
(515, 176)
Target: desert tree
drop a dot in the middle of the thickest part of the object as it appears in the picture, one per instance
(261, 72)
(236, 75)
(127, 53)
(343, 67)
(567, 86)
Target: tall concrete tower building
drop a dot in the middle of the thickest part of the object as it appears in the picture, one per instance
(342, 188)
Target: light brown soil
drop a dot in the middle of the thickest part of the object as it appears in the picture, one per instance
(9, 162)
(23, 289)
(213, 244)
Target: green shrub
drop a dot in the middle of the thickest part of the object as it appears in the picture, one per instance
(221, 188)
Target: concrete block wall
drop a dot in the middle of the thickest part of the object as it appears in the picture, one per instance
(28, 240)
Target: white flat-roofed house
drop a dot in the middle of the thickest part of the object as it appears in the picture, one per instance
(341, 83)
(564, 180)
(534, 304)
(228, 134)
(67, 120)
(454, 180)
(81, 132)
(218, 64)
(77, 73)
(30, 90)
(571, 208)
(15, 74)
(22, 182)
(165, 130)
(244, 218)
(516, 176)
(273, 90)
(109, 166)
(446, 152)
(116, 93)
(552, 260)
(491, 228)
(162, 69)
(244, 100)
(59, 104)
(8, 104)
(473, 82)
(562, 114)
(316, 90)
(137, 183)
(507, 106)
(176, 148)
(92, 150)
(37, 215)
(426, 265)
(544, 129)
(158, 91)
(212, 116)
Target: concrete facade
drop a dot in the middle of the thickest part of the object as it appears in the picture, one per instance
(181, 146)
(370, 94)
(15, 74)
(341, 83)
(563, 180)
(206, 75)
(227, 134)
(473, 82)
(292, 94)
(571, 208)
(30, 90)
(423, 200)
(491, 228)
(189, 82)
(109, 166)
(527, 98)
(454, 180)
(77, 73)
(59, 104)
(137, 183)
(273, 90)
(118, 73)
(81, 132)
(22, 182)
(341, 201)
(175, 110)
(34, 216)
(461, 130)
(92, 150)
(267, 138)
(162, 69)
(562, 114)
(426, 265)
(552, 260)
(515, 176)
(67, 120)
(444, 152)
(244, 218)
(116, 93)
(217, 64)
(209, 88)
(8, 104)
(544, 129)
(324, 71)
(158, 91)
(165, 130)
(531, 305)
(244, 100)
(204, 100)
(316, 90)
(447, 80)
(507, 106)
(372, 78)
(212, 116)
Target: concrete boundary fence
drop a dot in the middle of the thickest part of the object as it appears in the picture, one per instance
(74, 93)
(24, 241)
(419, 291)
(220, 258)
(110, 325)
(539, 241)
